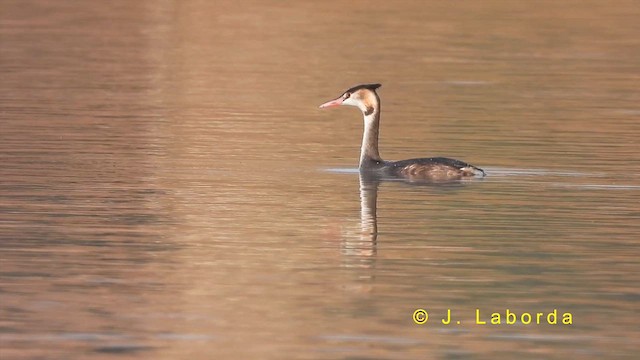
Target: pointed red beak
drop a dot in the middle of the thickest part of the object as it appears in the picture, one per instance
(331, 103)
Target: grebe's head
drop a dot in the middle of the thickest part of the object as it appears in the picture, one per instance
(363, 97)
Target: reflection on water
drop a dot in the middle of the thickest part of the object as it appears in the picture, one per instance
(163, 191)
(362, 242)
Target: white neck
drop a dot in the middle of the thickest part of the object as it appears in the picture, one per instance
(369, 150)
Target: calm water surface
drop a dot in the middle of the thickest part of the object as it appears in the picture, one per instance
(169, 189)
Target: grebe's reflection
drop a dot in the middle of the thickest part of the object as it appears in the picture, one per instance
(359, 246)
(362, 243)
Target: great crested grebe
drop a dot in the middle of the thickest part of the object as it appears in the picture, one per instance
(435, 169)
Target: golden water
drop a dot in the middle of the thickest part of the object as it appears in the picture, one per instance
(169, 189)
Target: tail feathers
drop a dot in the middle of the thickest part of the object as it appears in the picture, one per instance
(471, 170)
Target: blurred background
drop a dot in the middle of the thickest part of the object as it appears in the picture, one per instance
(169, 188)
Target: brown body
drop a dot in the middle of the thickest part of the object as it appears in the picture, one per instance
(437, 169)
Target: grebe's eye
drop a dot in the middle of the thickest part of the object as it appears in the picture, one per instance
(346, 96)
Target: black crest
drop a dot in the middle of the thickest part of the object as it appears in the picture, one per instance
(371, 87)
